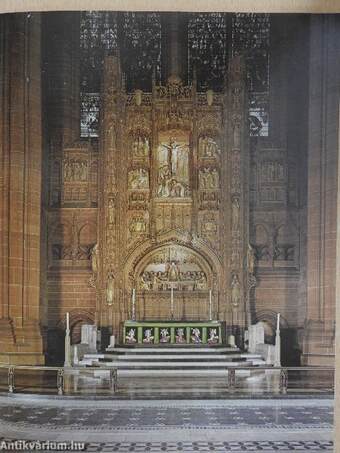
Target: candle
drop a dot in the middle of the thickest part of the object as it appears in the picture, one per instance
(278, 322)
(210, 305)
(67, 321)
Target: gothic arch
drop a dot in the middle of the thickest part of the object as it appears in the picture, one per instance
(270, 316)
(139, 256)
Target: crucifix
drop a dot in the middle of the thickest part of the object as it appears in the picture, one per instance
(172, 157)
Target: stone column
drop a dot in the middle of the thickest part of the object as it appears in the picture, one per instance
(322, 189)
(337, 295)
(20, 189)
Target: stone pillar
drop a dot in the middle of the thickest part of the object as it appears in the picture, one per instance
(109, 311)
(20, 189)
(237, 143)
(322, 189)
(337, 338)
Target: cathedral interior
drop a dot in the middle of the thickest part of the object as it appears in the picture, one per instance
(168, 167)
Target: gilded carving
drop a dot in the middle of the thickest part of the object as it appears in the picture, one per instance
(208, 148)
(137, 226)
(210, 122)
(138, 179)
(173, 268)
(208, 178)
(173, 169)
(209, 225)
(140, 147)
(110, 288)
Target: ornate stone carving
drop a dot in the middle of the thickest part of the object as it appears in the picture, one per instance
(211, 122)
(235, 291)
(174, 89)
(173, 169)
(251, 259)
(209, 178)
(208, 148)
(137, 225)
(173, 268)
(110, 288)
(138, 179)
(235, 216)
(75, 170)
(140, 147)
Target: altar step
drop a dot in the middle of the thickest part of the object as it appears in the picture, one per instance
(160, 361)
(175, 349)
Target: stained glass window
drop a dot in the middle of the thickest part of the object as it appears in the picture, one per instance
(250, 37)
(207, 49)
(140, 45)
(98, 35)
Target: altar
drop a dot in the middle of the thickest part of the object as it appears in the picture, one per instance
(172, 332)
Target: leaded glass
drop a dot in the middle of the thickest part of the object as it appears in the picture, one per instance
(89, 114)
(250, 37)
(140, 49)
(98, 35)
(207, 49)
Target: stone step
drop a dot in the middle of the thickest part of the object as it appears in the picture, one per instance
(174, 349)
(187, 373)
(171, 364)
(171, 356)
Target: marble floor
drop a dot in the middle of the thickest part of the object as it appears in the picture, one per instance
(241, 425)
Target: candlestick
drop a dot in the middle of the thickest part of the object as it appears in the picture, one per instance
(277, 360)
(133, 314)
(172, 302)
(67, 362)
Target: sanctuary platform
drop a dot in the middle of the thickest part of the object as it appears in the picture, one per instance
(189, 360)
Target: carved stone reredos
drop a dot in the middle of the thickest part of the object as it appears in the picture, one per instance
(169, 158)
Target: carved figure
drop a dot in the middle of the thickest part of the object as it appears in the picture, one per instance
(165, 337)
(111, 207)
(235, 214)
(109, 288)
(138, 179)
(144, 283)
(211, 148)
(140, 147)
(213, 337)
(137, 225)
(130, 337)
(148, 337)
(251, 260)
(180, 338)
(196, 335)
(236, 135)
(235, 291)
(173, 272)
(95, 259)
(173, 149)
